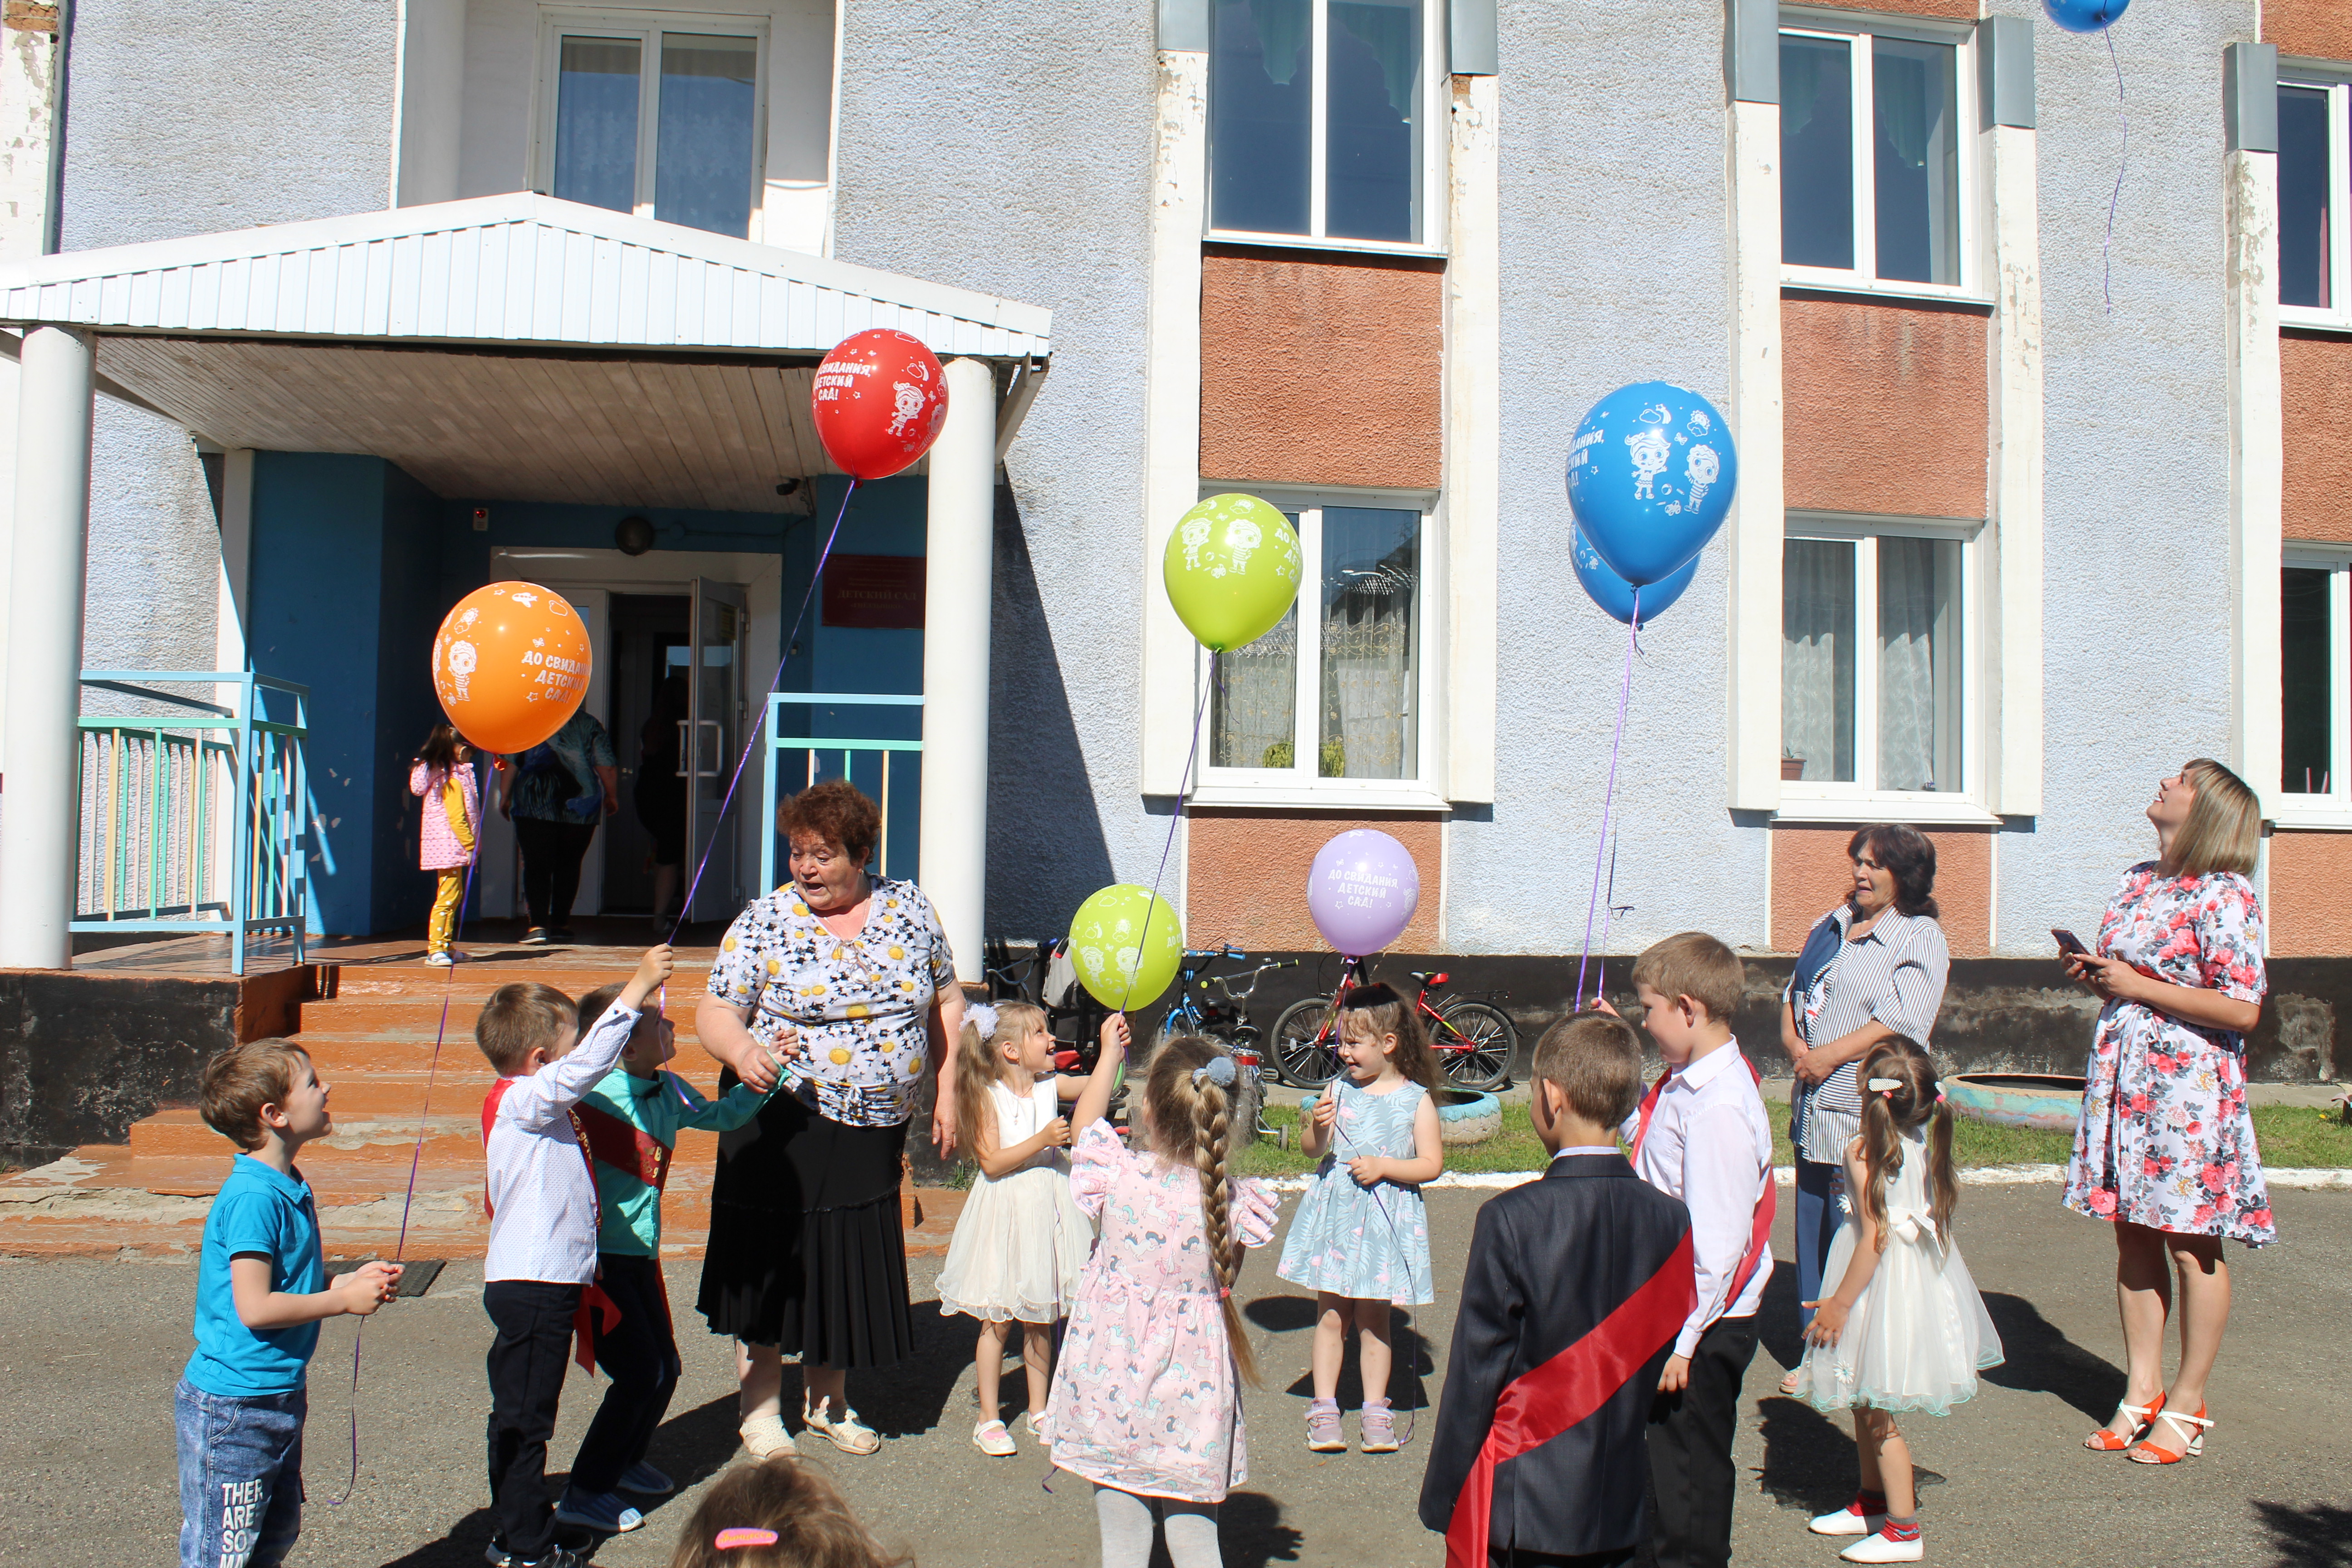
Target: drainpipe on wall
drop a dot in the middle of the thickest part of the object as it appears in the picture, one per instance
(52, 224)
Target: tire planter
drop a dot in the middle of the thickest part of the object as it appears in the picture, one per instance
(2049, 1103)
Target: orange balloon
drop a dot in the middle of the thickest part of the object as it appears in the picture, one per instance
(511, 664)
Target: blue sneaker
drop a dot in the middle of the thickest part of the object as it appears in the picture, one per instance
(602, 1511)
(646, 1481)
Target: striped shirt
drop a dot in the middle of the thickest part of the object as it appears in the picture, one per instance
(1893, 975)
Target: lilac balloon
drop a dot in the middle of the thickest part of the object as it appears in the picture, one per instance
(1363, 891)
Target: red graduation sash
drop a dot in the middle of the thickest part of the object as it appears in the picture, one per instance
(630, 1148)
(1548, 1399)
(1759, 1233)
(594, 1303)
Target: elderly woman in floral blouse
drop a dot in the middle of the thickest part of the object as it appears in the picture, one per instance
(2165, 1148)
(842, 984)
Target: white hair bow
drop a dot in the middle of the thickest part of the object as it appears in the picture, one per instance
(981, 1016)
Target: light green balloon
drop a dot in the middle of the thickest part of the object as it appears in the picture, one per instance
(1125, 946)
(1233, 569)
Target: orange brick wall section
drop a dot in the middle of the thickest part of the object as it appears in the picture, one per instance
(2310, 902)
(1811, 876)
(2316, 28)
(1321, 371)
(2317, 472)
(1886, 407)
(1246, 878)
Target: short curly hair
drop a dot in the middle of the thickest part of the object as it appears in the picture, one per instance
(837, 812)
(1909, 856)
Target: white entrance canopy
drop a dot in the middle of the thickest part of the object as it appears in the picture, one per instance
(512, 347)
(506, 348)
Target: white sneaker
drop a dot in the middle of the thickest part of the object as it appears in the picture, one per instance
(439, 960)
(1847, 1520)
(845, 1432)
(990, 1438)
(1877, 1547)
(764, 1436)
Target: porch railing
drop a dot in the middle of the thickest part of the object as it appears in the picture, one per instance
(193, 818)
(794, 761)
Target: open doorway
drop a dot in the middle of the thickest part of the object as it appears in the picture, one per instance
(650, 633)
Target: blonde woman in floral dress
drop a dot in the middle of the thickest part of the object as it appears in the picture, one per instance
(2165, 1148)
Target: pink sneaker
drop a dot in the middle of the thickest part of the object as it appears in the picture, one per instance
(1323, 1428)
(1379, 1426)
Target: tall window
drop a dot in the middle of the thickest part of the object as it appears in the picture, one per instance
(1319, 116)
(2314, 278)
(1335, 693)
(1874, 694)
(1872, 176)
(664, 124)
(2315, 698)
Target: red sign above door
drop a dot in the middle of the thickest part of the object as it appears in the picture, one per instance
(883, 592)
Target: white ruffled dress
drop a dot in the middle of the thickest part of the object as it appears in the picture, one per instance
(1918, 1333)
(1022, 1240)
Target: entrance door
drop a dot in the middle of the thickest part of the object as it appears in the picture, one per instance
(712, 740)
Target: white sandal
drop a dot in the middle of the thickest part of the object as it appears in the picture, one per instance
(845, 1432)
(764, 1436)
(990, 1438)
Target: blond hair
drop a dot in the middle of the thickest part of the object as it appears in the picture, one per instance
(1916, 1100)
(1595, 1062)
(2224, 830)
(1191, 1124)
(978, 1065)
(1694, 964)
(242, 1080)
(520, 1018)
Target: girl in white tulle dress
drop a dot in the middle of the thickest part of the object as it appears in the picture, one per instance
(1021, 1239)
(1902, 1327)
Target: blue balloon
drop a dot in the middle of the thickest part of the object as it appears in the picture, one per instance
(2084, 16)
(1651, 478)
(1613, 593)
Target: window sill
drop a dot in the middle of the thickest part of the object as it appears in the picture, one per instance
(1827, 286)
(2303, 318)
(1306, 242)
(2313, 819)
(1325, 798)
(1859, 810)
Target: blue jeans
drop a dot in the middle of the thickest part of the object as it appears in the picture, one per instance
(240, 1476)
(1818, 1218)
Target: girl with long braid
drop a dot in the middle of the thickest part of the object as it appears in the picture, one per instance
(1146, 1397)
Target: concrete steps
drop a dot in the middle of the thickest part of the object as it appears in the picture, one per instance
(372, 1036)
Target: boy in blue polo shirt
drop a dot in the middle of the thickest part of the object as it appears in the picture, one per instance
(261, 1290)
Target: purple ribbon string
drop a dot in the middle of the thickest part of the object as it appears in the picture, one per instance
(1184, 788)
(1609, 796)
(2107, 268)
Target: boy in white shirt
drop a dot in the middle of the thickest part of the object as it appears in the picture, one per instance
(1700, 1134)
(541, 1196)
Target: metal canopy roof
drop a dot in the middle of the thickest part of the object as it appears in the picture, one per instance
(509, 347)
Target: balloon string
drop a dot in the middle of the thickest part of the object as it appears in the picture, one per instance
(1609, 796)
(415, 1158)
(2123, 159)
(1184, 788)
(759, 722)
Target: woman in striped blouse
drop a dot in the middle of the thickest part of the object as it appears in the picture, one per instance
(1872, 968)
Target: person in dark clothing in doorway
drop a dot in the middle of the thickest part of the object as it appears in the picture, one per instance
(557, 792)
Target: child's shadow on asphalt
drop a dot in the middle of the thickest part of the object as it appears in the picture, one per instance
(1412, 1362)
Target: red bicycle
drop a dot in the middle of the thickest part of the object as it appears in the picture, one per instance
(1475, 1040)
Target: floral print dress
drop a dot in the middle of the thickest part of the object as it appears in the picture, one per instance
(2164, 1139)
(1367, 1244)
(1146, 1396)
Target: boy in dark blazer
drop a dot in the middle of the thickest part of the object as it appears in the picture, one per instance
(1575, 1288)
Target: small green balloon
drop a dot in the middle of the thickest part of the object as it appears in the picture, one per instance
(1126, 945)
(1233, 570)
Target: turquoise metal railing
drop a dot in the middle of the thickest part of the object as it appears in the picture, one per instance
(866, 762)
(194, 819)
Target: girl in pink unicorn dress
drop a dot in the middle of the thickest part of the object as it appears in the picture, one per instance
(1146, 1399)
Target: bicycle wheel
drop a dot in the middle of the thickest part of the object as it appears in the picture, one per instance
(1305, 1037)
(1476, 1042)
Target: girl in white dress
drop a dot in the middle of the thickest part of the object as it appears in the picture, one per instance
(1021, 1239)
(1902, 1327)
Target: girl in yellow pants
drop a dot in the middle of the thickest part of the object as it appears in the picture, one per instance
(449, 828)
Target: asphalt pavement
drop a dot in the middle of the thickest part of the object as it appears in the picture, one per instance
(88, 1352)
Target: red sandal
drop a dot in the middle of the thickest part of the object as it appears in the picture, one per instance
(2104, 1441)
(2191, 1427)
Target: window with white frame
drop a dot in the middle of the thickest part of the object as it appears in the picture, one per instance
(1320, 120)
(1875, 166)
(2315, 153)
(1875, 697)
(655, 114)
(1335, 698)
(2314, 697)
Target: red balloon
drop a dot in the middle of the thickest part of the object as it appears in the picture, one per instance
(878, 401)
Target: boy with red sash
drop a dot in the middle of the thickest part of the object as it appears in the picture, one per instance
(630, 1123)
(1575, 1288)
(540, 1268)
(1701, 1135)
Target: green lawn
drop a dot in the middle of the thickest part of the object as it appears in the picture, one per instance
(2289, 1135)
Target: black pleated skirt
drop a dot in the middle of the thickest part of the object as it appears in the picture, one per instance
(806, 1250)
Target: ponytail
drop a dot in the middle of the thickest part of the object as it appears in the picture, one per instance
(1916, 1100)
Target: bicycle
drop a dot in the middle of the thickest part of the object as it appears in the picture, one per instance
(1475, 1040)
(1043, 978)
(1227, 1021)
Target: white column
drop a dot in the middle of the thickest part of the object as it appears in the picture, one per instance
(1473, 434)
(2256, 448)
(960, 521)
(1758, 522)
(2013, 780)
(39, 757)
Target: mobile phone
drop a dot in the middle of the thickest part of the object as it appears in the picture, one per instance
(2067, 941)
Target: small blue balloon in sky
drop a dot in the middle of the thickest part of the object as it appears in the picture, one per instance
(1613, 593)
(1651, 478)
(2084, 16)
